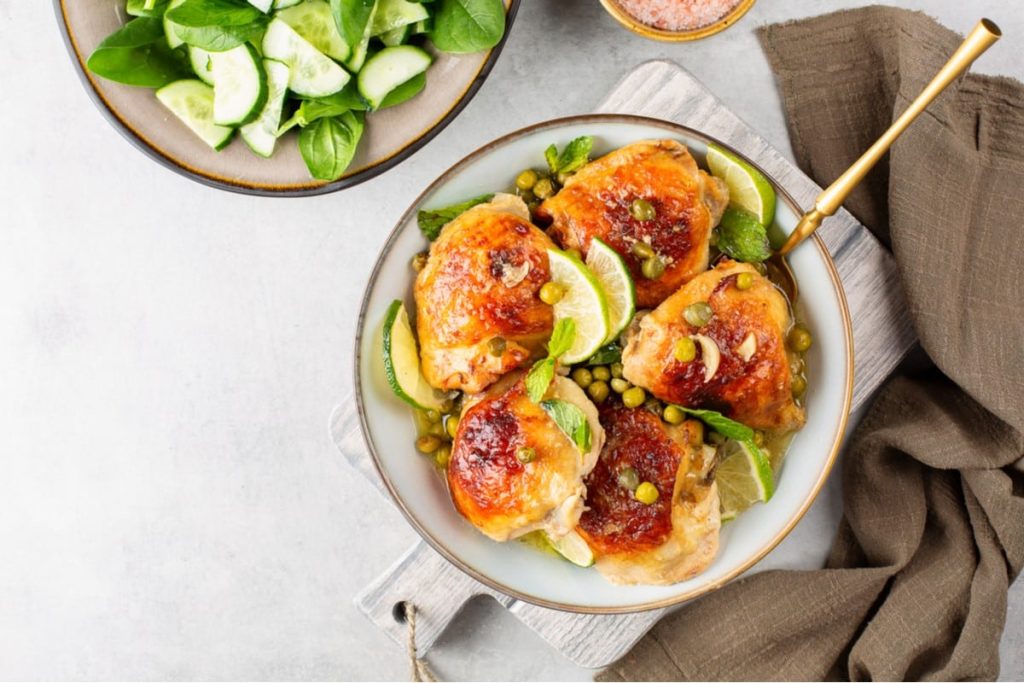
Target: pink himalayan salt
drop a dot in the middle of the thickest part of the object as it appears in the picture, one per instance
(678, 15)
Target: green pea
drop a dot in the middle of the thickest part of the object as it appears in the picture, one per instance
(437, 429)
(419, 261)
(616, 369)
(582, 377)
(684, 350)
(527, 179)
(428, 444)
(602, 373)
(619, 385)
(653, 268)
(673, 415)
(800, 338)
(646, 493)
(598, 391)
(496, 346)
(633, 397)
(543, 188)
(432, 416)
(443, 455)
(525, 454)
(641, 250)
(451, 425)
(642, 210)
(698, 313)
(551, 293)
(744, 281)
(799, 386)
(628, 478)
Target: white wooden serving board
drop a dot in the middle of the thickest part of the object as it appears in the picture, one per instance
(882, 336)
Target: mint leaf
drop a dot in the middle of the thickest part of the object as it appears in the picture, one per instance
(539, 378)
(571, 420)
(562, 337)
(741, 236)
(575, 155)
(431, 221)
(609, 353)
(721, 424)
(551, 156)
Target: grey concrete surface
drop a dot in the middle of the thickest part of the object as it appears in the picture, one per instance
(170, 504)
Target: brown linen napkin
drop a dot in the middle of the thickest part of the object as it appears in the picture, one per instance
(933, 526)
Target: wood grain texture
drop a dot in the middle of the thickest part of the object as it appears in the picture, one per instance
(882, 336)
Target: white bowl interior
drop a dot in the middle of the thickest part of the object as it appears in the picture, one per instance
(520, 570)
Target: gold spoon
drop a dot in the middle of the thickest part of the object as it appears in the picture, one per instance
(832, 197)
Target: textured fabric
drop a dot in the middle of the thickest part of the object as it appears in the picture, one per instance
(933, 523)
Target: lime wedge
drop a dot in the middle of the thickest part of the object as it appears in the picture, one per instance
(402, 361)
(573, 548)
(744, 477)
(583, 301)
(611, 271)
(748, 189)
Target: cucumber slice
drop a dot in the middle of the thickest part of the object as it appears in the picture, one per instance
(201, 64)
(311, 73)
(359, 51)
(173, 39)
(314, 21)
(240, 85)
(285, 4)
(261, 134)
(262, 5)
(192, 101)
(573, 548)
(388, 69)
(396, 36)
(390, 14)
(402, 361)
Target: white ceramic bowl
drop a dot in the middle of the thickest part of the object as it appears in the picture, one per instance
(514, 568)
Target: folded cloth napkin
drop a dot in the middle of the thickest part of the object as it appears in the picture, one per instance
(933, 526)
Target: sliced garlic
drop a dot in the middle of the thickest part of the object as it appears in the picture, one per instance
(513, 275)
(709, 354)
(748, 348)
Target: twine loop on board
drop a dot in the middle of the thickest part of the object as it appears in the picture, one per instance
(419, 671)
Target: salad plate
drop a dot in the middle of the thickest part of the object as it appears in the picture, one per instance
(517, 569)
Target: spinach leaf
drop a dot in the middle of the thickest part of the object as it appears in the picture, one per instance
(431, 221)
(741, 236)
(574, 157)
(313, 108)
(721, 424)
(217, 25)
(571, 420)
(352, 17)
(327, 145)
(462, 26)
(538, 379)
(607, 354)
(406, 91)
(137, 54)
(146, 8)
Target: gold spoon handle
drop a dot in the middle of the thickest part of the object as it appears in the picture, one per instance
(829, 201)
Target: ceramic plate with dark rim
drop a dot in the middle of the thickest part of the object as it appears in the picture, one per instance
(515, 568)
(391, 135)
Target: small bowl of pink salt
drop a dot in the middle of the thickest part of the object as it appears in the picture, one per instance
(677, 20)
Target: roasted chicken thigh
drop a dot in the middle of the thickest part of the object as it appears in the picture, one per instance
(671, 539)
(478, 315)
(741, 367)
(512, 469)
(598, 201)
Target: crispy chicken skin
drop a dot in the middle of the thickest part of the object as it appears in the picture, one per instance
(481, 281)
(595, 202)
(752, 383)
(503, 497)
(670, 540)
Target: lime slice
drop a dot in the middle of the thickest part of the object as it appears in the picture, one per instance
(402, 361)
(611, 271)
(583, 301)
(573, 548)
(748, 189)
(744, 477)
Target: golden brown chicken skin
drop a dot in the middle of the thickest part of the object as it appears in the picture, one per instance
(751, 381)
(688, 203)
(478, 314)
(492, 486)
(671, 539)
